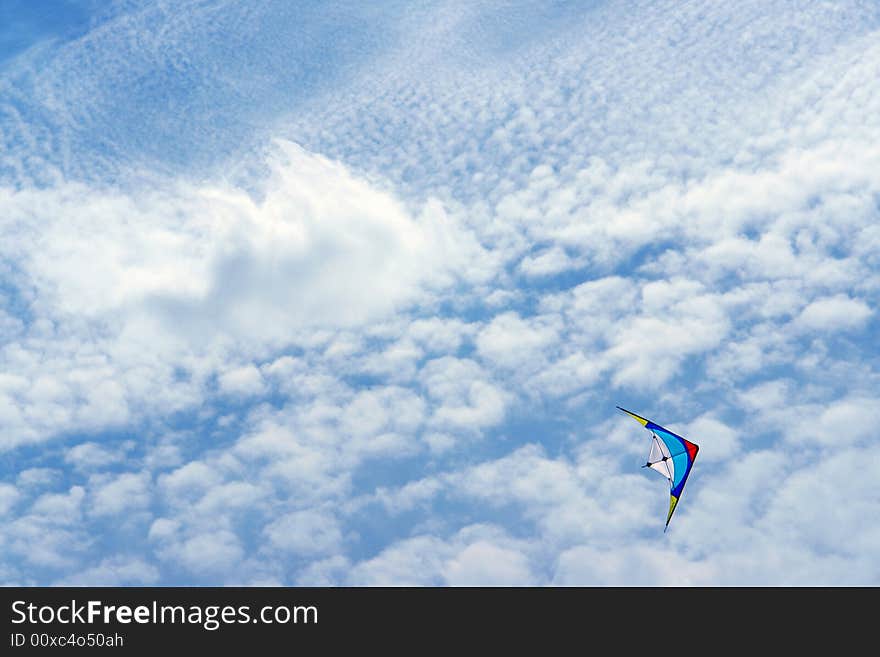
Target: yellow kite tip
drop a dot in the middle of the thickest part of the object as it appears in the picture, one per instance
(637, 418)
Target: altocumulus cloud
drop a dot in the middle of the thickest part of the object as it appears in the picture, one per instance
(166, 274)
(357, 311)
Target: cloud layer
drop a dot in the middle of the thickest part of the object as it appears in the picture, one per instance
(292, 297)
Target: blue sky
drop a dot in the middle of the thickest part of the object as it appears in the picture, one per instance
(322, 293)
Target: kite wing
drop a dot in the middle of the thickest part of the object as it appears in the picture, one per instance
(670, 455)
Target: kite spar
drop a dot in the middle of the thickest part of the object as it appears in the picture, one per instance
(670, 455)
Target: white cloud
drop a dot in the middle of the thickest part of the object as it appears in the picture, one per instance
(414, 562)
(234, 497)
(243, 381)
(91, 456)
(49, 534)
(559, 212)
(9, 495)
(375, 411)
(548, 262)
(148, 280)
(189, 482)
(305, 533)
(410, 495)
(649, 348)
(116, 571)
(62, 508)
(477, 555)
(640, 565)
(283, 256)
(839, 502)
(718, 441)
(835, 423)
(124, 493)
(212, 554)
(324, 572)
(509, 341)
(834, 313)
(465, 398)
(484, 564)
(36, 478)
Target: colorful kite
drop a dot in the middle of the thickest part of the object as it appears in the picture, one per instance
(671, 455)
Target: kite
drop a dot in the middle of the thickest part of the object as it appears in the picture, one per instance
(670, 455)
